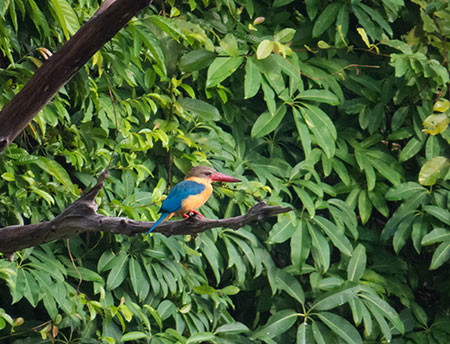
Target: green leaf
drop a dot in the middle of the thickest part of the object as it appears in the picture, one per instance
(433, 169)
(436, 235)
(232, 328)
(322, 128)
(321, 246)
(221, 68)
(336, 297)
(55, 170)
(306, 200)
(303, 131)
(166, 309)
(66, 17)
(384, 308)
(230, 290)
(279, 3)
(277, 324)
(402, 233)
(285, 35)
(201, 338)
(441, 255)
(134, 335)
(364, 206)
(300, 246)
(31, 291)
(86, 274)
(264, 49)
(169, 26)
(325, 19)
(267, 122)
(44, 195)
(213, 256)
(357, 264)
(366, 166)
(118, 272)
(321, 333)
(320, 96)
(419, 314)
(281, 231)
(441, 214)
(385, 329)
(304, 334)
(356, 308)
(8, 176)
(20, 283)
(200, 108)
(341, 327)
(336, 236)
(196, 60)
(229, 45)
(405, 191)
(252, 80)
(411, 149)
(139, 282)
(379, 202)
(290, 285)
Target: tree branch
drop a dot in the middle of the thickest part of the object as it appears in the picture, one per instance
(62, 66)
(81, 216)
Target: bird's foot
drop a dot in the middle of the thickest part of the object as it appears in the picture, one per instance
(196, 212)
(192, 213)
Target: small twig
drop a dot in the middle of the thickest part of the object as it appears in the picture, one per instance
(74, 266)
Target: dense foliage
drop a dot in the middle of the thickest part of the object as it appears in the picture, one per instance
(337, 108)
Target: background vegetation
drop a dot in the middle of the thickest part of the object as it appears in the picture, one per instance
(337, 108)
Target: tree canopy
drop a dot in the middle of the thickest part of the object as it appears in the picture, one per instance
(337, 109)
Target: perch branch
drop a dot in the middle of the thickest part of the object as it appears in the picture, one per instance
(62, 66)
(81, 216)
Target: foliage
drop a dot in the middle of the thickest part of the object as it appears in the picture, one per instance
(337, 108)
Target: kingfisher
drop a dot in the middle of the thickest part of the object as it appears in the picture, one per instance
(191, 193)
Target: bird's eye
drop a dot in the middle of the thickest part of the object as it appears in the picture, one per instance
(208, 173)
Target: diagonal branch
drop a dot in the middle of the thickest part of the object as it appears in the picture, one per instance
(81, 216)
(62, 66)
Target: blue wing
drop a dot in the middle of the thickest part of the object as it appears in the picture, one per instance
(180, 192)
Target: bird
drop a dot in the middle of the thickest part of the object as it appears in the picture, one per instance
(191, 193)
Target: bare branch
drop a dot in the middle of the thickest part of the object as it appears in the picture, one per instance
(81, 216)
(62, 66)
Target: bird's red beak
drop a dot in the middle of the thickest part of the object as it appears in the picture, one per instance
(220, 177)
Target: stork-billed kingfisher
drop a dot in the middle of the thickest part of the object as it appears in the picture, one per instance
(191, 193)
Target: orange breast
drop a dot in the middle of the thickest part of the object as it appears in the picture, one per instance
(195, 201)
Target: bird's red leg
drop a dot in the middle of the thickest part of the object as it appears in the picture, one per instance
(190, 213)
(196, 212)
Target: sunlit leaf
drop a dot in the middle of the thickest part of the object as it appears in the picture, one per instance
(433, 169)
(436, 124)
(264, 49)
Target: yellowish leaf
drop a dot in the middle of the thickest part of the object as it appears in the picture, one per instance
(363, 35)
(323, 45)
(441, 105)
(435, 124)
(264, 49)
(433, 169)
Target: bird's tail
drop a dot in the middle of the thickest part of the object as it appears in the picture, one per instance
(161, 219)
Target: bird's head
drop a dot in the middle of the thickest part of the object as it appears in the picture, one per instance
(211, 174)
